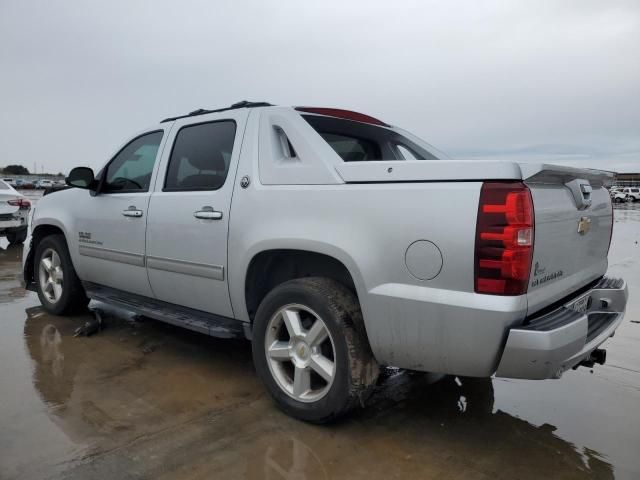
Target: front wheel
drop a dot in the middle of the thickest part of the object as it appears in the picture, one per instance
(311, 351)
(58, 286)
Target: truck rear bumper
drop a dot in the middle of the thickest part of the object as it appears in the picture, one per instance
(558, 340)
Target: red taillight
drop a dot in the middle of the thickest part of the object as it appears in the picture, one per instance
(504, 239)
(23, 203)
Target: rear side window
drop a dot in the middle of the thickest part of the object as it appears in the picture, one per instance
(200, 157)
(359, 142)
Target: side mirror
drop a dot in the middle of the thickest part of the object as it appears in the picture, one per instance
(81, 177)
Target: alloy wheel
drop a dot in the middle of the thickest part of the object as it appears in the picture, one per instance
(300, 353)
(50, 275)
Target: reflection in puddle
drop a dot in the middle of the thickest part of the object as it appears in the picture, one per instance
(104, 392)
(50, 340)
(415, 429)
(10, 273)
(291, 459)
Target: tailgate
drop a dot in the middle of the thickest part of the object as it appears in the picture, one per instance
(573, 221)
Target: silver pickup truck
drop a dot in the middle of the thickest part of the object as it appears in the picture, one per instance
(336, 243)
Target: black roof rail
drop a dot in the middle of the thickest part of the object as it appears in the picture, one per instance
(202, 111)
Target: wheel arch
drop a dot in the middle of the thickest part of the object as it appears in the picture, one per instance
(271, 267)
(41, 231)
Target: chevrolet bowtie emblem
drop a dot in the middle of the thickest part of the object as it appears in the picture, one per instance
(584, 225)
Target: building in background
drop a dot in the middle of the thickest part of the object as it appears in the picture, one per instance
(628, 178)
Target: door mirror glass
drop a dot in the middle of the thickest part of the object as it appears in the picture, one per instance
(81, 177)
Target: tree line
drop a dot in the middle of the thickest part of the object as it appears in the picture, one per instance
(21, 170)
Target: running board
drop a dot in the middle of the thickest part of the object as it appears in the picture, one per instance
(196, 320)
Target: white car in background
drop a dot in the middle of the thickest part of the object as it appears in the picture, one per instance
(632, 194)
(618, 196)
(626, 195)
(42, 184)
(614, 190)
(9, 181)
(14, 214)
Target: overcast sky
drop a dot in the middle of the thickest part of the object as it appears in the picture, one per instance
(478, 79)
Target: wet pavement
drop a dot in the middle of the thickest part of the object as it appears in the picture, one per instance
(142, 399)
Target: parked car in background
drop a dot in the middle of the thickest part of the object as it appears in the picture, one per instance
(9, 181)
(43, 184)
(14, 214)
(614, 190)
(619, 196)
(320, 234)
(632, 194)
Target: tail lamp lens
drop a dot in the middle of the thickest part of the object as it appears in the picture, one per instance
(504, 239)
(23, 203)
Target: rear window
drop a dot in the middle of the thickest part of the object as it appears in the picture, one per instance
(363, 142)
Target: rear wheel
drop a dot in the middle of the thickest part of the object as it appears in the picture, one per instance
(58, 286)
(18, 236)
(311, 351)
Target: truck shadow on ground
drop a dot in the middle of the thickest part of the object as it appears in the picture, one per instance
(197, 401)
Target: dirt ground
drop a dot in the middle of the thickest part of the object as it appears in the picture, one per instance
(142, 399)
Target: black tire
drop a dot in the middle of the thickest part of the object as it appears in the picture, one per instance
(73, 298)
(17, 236)
(355, 370)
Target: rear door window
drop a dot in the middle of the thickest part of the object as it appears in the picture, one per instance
(200, 157)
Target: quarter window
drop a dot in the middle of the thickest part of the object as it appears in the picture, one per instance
(406, 152)
(130, 170)
(362, 142)
(200, 157)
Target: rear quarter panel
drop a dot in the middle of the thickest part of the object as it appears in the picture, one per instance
(434, 325)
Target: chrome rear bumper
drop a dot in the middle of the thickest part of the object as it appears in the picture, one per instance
(558, 340)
